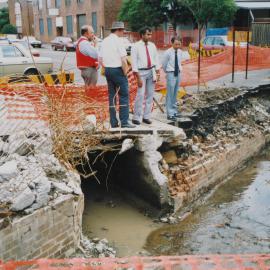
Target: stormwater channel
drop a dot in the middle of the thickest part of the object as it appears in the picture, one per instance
(234, 219)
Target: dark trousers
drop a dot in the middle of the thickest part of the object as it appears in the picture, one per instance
(117, 84)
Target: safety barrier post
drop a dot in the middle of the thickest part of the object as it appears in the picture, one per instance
(233, 56)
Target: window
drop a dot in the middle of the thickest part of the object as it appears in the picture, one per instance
(208, 41)
(94, 21)
(81, 20)
(39, 4)
(219, 41)
(49, 3)
(67, 3)
(11, 51)
(57, 3)
(49, 25)
(69, 25)
(41, 26)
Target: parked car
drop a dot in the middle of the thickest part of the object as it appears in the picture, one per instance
(33, 41)
(33, 51)
(215, 43)
(63, 43)
(15, 59)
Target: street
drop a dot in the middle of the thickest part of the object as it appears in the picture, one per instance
(68, 60)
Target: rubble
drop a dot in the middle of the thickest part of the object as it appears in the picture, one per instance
(29, 176)
(94, 248)
(226, 118)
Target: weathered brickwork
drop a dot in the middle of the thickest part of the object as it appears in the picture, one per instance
(196, 175)
(51, 232)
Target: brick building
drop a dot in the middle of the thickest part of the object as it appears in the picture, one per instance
(65, 17)
(21, 15)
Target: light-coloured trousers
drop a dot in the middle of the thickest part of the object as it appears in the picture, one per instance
(144, 93)
(89, 75)
(172, 90)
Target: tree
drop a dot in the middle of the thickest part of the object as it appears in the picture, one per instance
(9, 29)
(219, 12)
(139, 13)
(4, 17)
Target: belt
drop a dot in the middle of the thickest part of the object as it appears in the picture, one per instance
(146, 68)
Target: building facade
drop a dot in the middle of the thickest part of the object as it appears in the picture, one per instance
(65, 17)
(21, 15)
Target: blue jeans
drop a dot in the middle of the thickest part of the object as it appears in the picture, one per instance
(117, 84)
(172, 90)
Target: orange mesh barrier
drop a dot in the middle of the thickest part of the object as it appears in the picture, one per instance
(37, 101)
(221, 64)
(203, 262)
(31, 101)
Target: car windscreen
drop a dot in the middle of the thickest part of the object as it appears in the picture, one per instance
(65, 40)
(10, 51)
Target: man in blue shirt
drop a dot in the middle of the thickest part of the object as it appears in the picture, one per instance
(172, 66)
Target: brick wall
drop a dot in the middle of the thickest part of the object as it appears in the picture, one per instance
(203, 173)
(111, 10)
(53, 231)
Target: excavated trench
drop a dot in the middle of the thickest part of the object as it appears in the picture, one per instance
(121, 203)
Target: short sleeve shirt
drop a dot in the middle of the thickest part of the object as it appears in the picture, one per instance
(112, 50)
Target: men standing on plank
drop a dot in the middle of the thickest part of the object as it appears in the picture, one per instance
(114, 59)
(172, 67)
(145, 66)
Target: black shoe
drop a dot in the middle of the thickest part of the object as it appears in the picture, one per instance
(128, 125)
(115, 126)
(147, 121)
(171, 118)
(136, 122)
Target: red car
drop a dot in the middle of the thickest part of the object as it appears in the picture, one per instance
(63, 43)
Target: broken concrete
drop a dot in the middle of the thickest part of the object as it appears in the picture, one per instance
(33, 186)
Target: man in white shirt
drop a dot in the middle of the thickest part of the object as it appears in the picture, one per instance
(172, 66)
(145, 66)
(114, 59)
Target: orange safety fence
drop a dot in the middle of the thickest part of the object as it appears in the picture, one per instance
(30, 101)
(162, 39)
(39, 101)
(221, 64)
(189, 262)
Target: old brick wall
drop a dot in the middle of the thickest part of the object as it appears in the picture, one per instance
(111, 10)
(53, 231)
(203, 173)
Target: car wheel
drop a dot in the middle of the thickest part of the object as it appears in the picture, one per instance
(54, 48)
(31, 71)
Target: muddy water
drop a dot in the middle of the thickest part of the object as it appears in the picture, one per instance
(114, 217)
(235, 219)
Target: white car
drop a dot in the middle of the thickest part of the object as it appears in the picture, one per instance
(216, 43)
(16, 60)
(33, 41)
(33, 51)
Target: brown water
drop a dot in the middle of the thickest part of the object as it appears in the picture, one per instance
(235, 219)
(109, 215)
